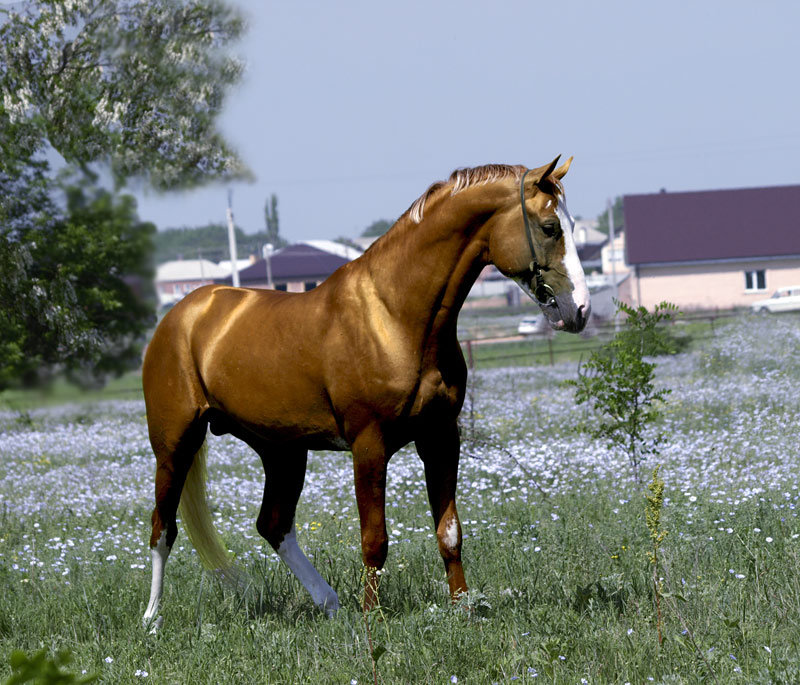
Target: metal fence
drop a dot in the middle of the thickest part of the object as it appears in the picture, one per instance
(547, 346)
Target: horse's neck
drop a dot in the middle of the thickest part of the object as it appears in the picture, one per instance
(423, 272)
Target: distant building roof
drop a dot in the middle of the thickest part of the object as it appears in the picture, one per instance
(712, 225)
(294, 262)
(333, 247)
(189, 270)
(590, 252)
(225, 265)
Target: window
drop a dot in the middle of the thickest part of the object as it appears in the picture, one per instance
(280, 286)
(755, 280)
(616, 255)
(309, 285)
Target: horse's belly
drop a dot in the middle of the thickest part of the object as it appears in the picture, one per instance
(276, 407)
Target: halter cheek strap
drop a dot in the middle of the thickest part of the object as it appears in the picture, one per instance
(543, 292)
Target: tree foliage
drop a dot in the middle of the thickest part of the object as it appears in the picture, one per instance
(42, 669)
(135, 84)
(77, 288)
(618, 382)
(206, 242)
(377, 228)
(602, 219)
(273, 234)
(132, 87)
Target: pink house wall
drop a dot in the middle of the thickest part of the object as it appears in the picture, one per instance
(708, 285)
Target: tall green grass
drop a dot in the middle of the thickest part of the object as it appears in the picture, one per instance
(580, 607)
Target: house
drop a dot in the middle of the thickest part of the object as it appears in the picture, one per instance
(176, 278)
(714, 249)
(589, 243)
(612, 256)
(585, 232)
(296, 268)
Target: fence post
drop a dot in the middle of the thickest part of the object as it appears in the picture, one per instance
(471, 390)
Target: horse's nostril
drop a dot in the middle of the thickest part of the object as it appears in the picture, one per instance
(581, 315)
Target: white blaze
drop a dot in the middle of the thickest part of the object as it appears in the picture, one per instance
(572, 263)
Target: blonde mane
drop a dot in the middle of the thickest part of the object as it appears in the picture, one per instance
(465, 178)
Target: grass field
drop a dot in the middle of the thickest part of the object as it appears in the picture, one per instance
(555, 543)
(60, 392)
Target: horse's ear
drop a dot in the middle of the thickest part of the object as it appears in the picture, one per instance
(563, 169)
(546, 171)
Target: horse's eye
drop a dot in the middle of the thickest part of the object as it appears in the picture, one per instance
(550, 229)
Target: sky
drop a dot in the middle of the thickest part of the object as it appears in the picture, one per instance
(349, 110)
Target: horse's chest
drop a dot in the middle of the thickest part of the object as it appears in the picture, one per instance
(435, 394)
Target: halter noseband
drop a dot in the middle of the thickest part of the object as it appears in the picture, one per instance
(543, 292)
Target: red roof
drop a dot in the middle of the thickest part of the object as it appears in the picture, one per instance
(712, 224)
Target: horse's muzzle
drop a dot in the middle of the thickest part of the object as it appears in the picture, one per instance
(564, 315)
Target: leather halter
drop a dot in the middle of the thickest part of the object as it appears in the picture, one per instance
(541, 291)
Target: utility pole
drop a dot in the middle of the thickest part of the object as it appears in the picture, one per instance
(267, 252)
(613, 255)
(232, 241)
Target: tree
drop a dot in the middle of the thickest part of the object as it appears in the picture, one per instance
(273, 235)
(25, 205)
(80, 288)
(602, 219)
(131, 86)
(208, 242)
(377, 228)
(618, 383)
(134, 84)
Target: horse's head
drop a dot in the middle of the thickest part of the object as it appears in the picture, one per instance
(531, 241)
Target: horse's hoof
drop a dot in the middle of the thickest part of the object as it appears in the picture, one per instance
(331, 605)
(153, 624)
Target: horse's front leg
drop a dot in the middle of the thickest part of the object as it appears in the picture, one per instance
(439, 450)
(370, 458)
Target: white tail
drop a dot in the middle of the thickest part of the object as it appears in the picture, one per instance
(199, 525)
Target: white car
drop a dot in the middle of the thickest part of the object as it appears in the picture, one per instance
(783, 300)
(529, 325)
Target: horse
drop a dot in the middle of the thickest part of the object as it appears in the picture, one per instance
(367, 362)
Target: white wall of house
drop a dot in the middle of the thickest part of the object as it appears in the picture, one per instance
(712, 285)
(615, 254)
(289, 286)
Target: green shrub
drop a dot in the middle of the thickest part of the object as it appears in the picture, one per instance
(42, 669)
(618, 382)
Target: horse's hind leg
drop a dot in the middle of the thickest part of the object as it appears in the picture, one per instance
(174, 448)
(285, 471)
(439, 451)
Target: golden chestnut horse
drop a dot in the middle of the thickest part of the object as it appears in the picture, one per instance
(367, 362)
